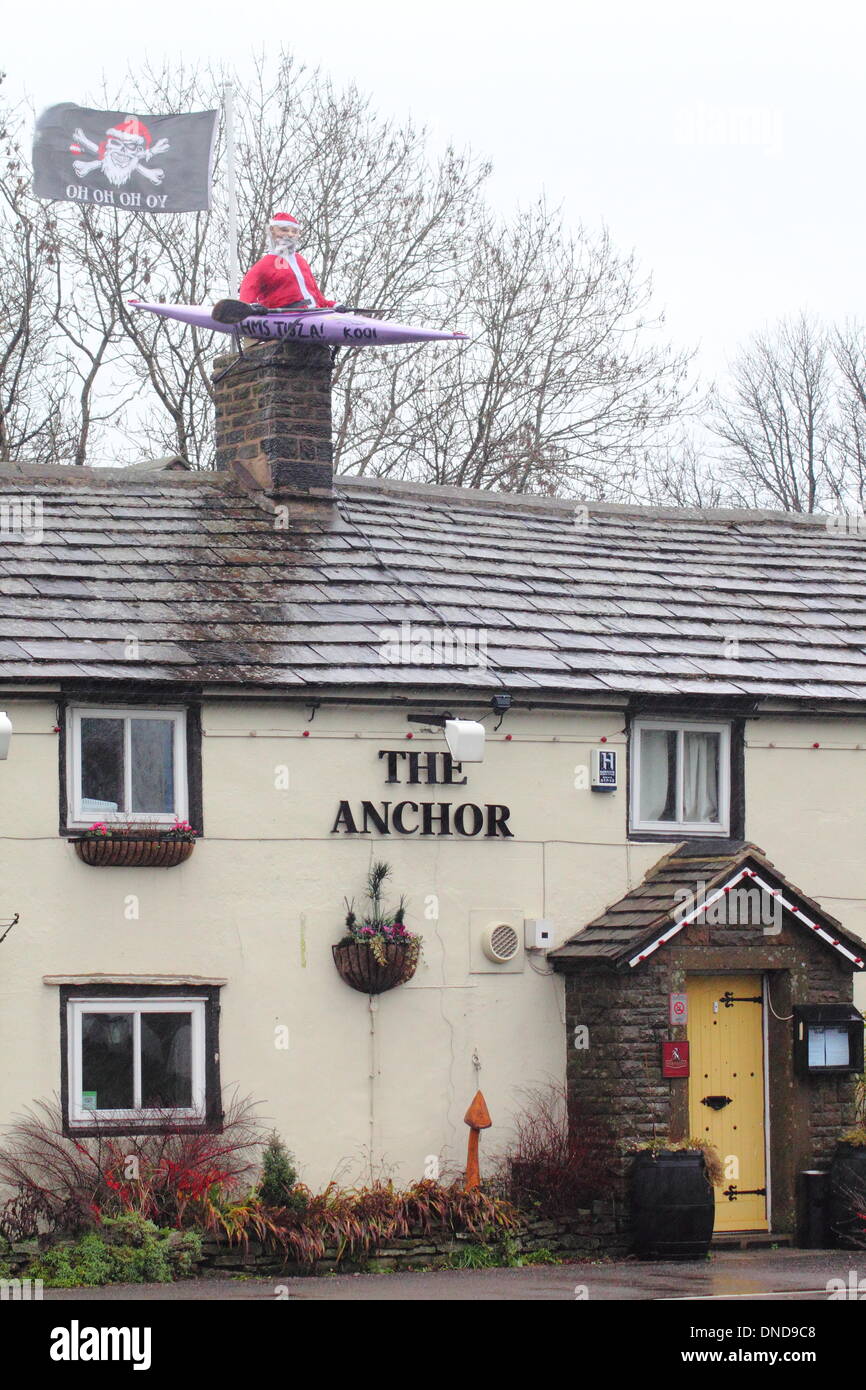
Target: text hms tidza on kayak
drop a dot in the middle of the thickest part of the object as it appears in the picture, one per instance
(260, 328)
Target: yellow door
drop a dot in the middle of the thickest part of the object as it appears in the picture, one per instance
(726, 1090)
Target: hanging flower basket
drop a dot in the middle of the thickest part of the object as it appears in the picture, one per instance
(377, 952)
(140, 849)
(360, 968)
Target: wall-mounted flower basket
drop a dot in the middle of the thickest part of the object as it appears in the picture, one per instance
(360, 968)
(138, 849)
(377, 951)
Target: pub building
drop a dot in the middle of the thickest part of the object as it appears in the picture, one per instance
(646, 881)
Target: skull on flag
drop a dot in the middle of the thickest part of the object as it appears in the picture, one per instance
(126, 150)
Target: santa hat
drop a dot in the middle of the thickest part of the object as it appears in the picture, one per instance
(280, 219)
(132, 128)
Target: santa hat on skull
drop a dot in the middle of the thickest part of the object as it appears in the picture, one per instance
(130, 129)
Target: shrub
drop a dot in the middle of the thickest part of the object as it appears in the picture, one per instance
(86, 1263)
(279, 1183)
(556, 1162)
(67, 1183)
(475, 1257)
(501, 1254)
(357, 1222)
(123, 1250)
(184, 1254)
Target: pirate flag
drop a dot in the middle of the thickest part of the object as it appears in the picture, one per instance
(113, 159)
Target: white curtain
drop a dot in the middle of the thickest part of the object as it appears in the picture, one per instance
(701, 778)
(657, 774)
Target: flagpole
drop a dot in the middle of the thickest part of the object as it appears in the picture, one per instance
(229, 116)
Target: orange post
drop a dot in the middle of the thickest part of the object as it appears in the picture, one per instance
(477, 1117)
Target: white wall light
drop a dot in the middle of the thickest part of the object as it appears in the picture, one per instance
(5, 734)
(465, 739)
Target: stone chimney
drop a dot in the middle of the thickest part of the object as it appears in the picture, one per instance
(273, 418)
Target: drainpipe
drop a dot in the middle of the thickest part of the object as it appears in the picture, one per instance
(374, 1069)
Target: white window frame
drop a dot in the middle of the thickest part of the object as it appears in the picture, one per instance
(79, 818)
(79, 1117)
(680, 727)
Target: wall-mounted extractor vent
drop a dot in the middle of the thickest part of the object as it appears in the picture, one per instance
(500, 942)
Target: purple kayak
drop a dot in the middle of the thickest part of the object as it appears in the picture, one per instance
(309, 325)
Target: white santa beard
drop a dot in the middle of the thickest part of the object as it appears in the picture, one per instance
(291, 261)
(118, 173)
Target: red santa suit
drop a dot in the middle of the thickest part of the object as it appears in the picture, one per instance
(278, 280)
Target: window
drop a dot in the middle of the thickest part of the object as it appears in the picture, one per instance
(127, 766)
(680, 777)
(136, 1059)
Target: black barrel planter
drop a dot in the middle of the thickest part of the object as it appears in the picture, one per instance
(673, 1205)
(848, 1196)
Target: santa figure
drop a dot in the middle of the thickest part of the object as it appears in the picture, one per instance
(282, 279)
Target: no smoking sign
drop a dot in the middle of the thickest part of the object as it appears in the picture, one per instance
(678, 1009)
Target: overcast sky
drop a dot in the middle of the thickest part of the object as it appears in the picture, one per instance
(723, 143)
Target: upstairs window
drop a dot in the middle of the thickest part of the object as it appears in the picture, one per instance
(680, 777)
(127, 766)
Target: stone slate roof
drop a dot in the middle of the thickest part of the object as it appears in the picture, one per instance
(628, 926)
(629, 601)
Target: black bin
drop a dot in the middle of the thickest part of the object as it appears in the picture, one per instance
(816, 1209)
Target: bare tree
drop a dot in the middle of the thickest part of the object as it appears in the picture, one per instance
(56, 334)
(848, 480)
(31, 396)
(684, 474)
(777, 422)
(567, 385)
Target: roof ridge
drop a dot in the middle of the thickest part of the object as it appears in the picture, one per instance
(408, 487)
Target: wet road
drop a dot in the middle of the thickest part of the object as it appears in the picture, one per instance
(728, 1276)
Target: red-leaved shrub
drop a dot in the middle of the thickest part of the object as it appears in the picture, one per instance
(356, 1222)
(558, 1161)
(65, 1182)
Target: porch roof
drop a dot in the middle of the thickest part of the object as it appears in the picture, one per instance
(633, 928)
